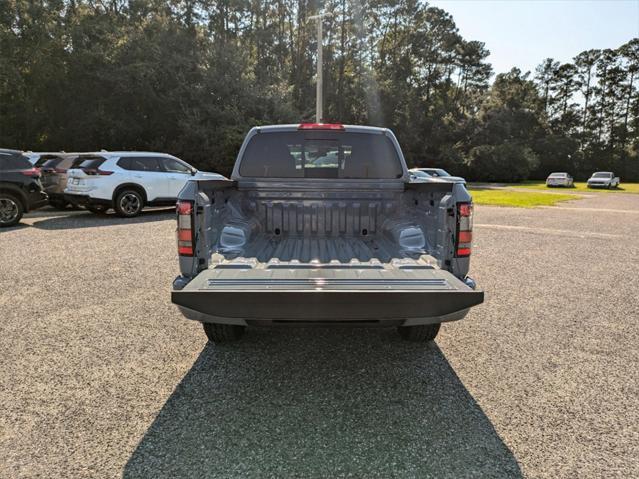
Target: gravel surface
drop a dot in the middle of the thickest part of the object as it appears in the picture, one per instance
(100, 376)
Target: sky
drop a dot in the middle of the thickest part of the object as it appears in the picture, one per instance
(522, 33)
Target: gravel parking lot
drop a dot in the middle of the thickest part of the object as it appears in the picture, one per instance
(100, 376)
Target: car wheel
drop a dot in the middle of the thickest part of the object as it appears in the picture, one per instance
(11, 210)
(223, 333)
(421, 333)
(98, 209)
(129, 203)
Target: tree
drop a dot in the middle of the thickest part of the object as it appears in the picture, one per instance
(190, 77)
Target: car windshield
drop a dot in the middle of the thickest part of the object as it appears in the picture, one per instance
(436, 172)
(320, 154)
(602, 175)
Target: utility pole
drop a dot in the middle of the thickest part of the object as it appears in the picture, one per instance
(319, 112)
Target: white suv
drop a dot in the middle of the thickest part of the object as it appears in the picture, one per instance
(128, 180)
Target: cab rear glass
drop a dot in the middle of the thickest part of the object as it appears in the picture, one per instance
(320, 154)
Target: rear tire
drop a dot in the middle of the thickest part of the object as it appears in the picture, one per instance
(98, 209)
(421, 333)
(223, 333)
(11, 210)
(129, 203)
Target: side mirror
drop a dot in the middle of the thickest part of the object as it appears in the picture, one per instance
(193, 171)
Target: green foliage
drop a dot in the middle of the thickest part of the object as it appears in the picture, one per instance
(486, 162)
(191, 77)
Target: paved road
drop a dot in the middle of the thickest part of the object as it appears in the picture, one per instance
(100, 376)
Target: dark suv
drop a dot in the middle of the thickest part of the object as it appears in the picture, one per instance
(20, 187)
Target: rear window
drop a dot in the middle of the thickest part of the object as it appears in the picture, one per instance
(320, 154)
(91, 163)
(76, 162)
(67, 162)
(14, 162)
(52, 163)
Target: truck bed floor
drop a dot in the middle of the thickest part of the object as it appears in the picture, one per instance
(266, 248)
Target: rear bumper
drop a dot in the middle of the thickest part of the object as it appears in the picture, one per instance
(55, 196)
(360, 302)
(37, 199)
(85, 200)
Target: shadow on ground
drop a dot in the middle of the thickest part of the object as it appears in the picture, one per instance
(73, 219)
(321, 403)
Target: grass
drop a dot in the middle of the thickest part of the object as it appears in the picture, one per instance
(520, 199)
(579, 187)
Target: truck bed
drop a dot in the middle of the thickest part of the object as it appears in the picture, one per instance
(269, 249)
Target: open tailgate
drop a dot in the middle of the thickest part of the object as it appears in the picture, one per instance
(326, 293)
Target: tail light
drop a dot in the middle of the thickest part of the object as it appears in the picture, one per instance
(35, 172)
(96, 171)
(464, 229)
(185, 228)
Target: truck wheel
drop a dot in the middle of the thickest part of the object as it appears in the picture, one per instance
(11, 210)
(129, 203)
(223, 333)
(421, 333)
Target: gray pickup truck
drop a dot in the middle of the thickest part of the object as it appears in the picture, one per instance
(321, 224)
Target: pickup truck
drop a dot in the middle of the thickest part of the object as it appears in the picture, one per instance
(322, 224)
(603, 179)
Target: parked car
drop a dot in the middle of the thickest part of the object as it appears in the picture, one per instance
(603, 179)
(20, 187)
(127, 181)
(54, 176)
(38, 158)
(560, 179)
(417, 173)
(289, 241)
